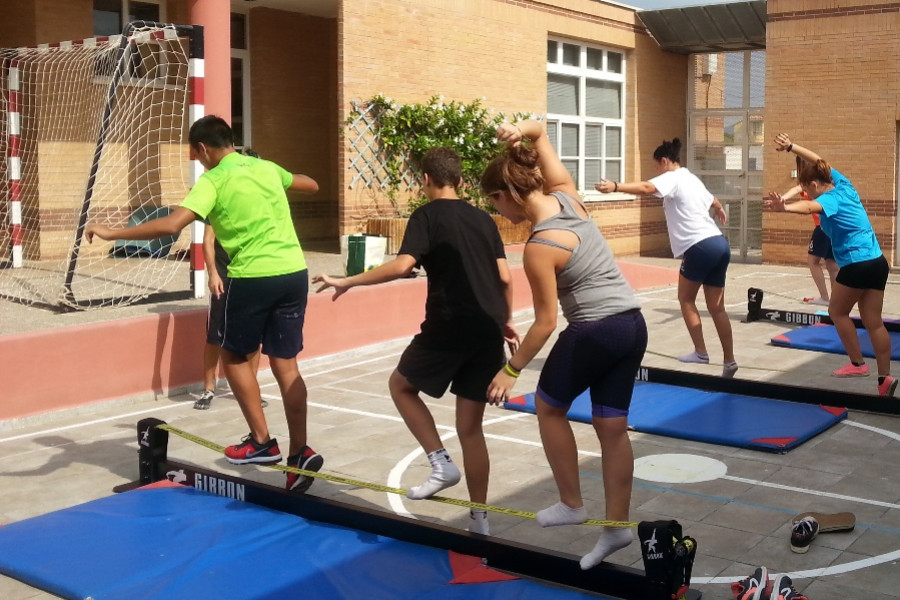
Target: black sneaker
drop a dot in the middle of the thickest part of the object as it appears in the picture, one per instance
(755, 587)
(802, 534)
(308, 460)
(248, 451)
(783, 589)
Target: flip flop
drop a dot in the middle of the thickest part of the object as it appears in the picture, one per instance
(844, 521)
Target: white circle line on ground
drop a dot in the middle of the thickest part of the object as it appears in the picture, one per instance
(791, 488)
(396, 475)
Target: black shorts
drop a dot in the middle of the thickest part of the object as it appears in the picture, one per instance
(820, 244)
(603, 356)
(865, 275)
(268, 311)
(215, 317)
(430, 364)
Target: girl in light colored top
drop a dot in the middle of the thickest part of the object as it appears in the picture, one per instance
(863, 270)
(696, 239)
(568, 261)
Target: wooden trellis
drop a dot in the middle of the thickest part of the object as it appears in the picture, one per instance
(368, 155)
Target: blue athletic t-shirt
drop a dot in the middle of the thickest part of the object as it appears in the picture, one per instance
(846, 223)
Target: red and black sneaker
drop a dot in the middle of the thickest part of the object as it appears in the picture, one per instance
(248, 451)
(308, 460)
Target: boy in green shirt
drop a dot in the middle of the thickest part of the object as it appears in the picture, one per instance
(244, 200)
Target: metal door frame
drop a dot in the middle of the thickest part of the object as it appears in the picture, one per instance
(744, 251)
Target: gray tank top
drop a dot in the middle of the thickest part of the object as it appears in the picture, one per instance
(590, 286)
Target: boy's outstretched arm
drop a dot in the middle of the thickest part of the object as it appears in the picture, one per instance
(304, 184)
(401, 266)
(509, 329)
(171, 224)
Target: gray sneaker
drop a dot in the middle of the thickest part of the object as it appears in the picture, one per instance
(204, 400)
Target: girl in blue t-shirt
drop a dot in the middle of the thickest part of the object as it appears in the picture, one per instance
(863, 269)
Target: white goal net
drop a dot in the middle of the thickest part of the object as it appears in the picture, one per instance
(94, 131)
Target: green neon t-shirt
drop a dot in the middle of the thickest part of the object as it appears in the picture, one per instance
(243, 199)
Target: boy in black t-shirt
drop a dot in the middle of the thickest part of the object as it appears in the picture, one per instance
(467, 318)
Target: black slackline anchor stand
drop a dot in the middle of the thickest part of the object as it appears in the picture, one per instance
(756, 312)
(668, 569)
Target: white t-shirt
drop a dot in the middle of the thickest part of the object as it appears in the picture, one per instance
(686, 202)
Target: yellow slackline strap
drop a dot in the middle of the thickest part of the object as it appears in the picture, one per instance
(383, 488)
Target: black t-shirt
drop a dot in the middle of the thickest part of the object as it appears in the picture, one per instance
(458, 245)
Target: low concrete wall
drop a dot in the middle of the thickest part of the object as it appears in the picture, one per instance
(76, 366)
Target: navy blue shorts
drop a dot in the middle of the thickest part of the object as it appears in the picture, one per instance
(707, 261)
(603, 356)
(820, 244)
(865, 275)
(268, 311)
(431, 365)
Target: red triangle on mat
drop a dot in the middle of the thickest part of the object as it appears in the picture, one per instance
(835, 410)
(777, 442)
(162, 483)
(471, 569)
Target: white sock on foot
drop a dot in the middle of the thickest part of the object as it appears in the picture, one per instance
(611, 539)
(560, 514)
(443, 475)
(695, 357)
(478, 522)
(729, 369)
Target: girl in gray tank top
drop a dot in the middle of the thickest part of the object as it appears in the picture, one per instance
(569, 263)
(590, 286)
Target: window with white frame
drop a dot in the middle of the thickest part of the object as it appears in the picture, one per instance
(586, 110)
(240, 80)
(111, 16)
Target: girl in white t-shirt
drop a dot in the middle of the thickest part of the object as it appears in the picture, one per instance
(695, 239)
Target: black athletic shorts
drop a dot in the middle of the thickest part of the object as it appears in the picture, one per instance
(215, 316)
(820, 244)
(865, 275)
(268, 311)
(430, 364)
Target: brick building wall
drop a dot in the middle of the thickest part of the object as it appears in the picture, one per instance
(831, 78)
(411, 50)
(294, 92)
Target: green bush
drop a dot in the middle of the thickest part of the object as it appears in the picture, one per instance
(404, 132)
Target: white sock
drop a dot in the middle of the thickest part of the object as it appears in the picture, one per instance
(611, 539)
(729, 369)
(443, 475)
(695, 357)
(560, 514)
(478, 522)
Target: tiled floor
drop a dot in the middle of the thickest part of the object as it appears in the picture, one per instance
(740, 519)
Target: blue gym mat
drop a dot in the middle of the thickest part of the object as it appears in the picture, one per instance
(712, 417)
(824, 338)
(179, 542)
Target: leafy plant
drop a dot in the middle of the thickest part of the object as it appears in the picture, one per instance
(404, 132)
